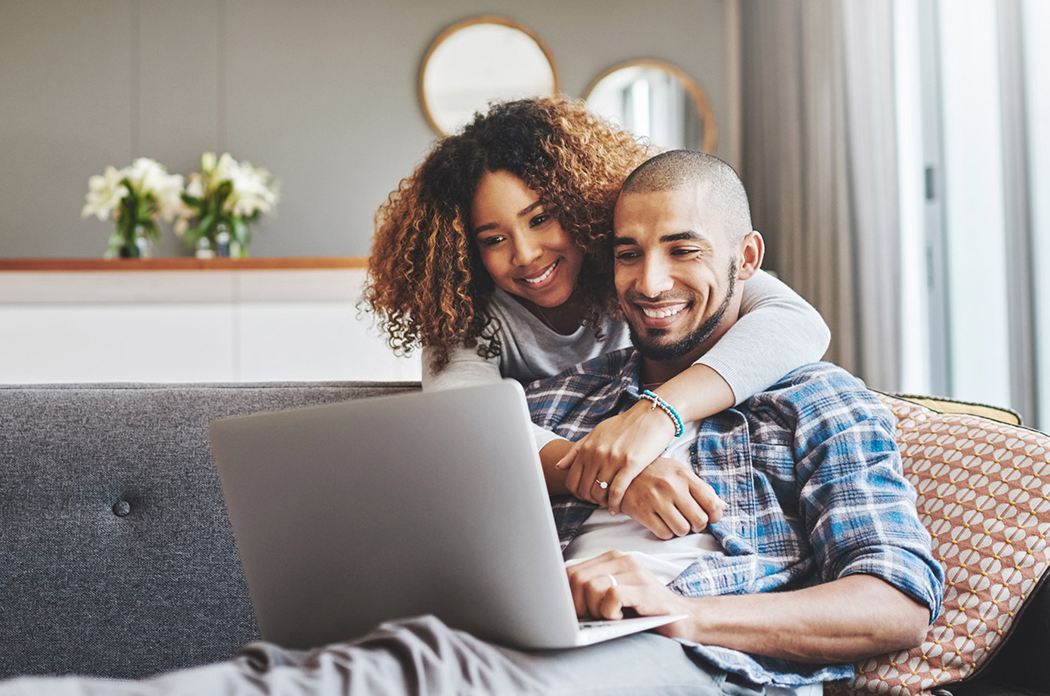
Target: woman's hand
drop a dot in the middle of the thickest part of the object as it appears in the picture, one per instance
(615, 452)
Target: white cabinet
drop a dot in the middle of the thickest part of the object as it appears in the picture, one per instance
(191, 326)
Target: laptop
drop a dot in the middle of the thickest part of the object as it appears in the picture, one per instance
(347, 515)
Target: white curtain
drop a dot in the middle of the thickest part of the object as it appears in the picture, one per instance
(820, 166)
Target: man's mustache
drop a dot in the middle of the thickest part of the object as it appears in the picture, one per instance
(672, 296)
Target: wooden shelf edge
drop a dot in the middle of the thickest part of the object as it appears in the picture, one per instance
(185, 264)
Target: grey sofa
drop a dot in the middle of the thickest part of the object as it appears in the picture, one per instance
(116, 555)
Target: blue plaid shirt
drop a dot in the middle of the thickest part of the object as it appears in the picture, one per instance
(812, 476)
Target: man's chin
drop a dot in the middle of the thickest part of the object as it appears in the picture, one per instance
(657, 345)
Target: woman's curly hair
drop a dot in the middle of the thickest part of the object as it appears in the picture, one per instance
(426, 282)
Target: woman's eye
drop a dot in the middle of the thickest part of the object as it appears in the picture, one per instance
(491, 241)
(540, 219)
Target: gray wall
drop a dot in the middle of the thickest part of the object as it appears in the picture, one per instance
(323, 93)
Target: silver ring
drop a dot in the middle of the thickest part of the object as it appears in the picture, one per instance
(612, 580)
(601, 484)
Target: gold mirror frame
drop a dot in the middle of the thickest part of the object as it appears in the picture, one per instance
(699, 97)
(465, 24)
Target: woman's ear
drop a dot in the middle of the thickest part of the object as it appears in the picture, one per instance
(752, 250)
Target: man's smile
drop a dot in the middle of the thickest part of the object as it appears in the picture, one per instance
(661, 316)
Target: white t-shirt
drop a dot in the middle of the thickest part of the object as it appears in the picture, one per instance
(665, 559)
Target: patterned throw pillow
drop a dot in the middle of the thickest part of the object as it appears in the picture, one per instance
(984, 495)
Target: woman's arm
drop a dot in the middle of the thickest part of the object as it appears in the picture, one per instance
(777, 332)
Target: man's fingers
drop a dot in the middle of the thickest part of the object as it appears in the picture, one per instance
(655, 524)
(675, 521)
(611, 605)
(694, 515)
(596, 591)
(706, 498)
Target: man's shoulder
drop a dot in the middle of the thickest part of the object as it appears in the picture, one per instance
(814, 379)
(820, 390)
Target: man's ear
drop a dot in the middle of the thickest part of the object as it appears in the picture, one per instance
(752, 250)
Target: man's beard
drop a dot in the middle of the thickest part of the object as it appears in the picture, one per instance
(694, 340)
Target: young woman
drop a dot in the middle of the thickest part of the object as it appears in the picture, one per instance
(492, 256)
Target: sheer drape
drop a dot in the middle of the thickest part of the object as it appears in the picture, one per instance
(820, 166)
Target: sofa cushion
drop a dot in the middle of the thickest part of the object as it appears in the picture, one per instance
(116, 555)
(984, 494)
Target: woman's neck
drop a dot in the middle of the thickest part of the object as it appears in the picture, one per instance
(565, 319)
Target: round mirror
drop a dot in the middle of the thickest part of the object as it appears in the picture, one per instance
(658, 101)
(478, 61)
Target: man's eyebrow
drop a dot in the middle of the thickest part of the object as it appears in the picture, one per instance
(680, 236)
(666, 239)
(522, 213)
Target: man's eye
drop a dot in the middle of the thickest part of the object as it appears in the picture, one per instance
(685, 252)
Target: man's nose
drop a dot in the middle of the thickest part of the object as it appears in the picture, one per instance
(655, 278)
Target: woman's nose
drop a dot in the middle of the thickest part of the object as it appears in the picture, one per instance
(526, 250)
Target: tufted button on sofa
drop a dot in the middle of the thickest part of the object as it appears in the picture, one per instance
(117, 559)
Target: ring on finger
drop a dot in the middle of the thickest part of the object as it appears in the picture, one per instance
(602, 484)
(612, 581)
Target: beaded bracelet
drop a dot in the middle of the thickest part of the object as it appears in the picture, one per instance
(666, 408)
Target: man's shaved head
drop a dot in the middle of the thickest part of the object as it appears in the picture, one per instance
(679, 169)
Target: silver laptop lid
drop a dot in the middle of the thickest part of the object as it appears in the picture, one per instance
(351, 514)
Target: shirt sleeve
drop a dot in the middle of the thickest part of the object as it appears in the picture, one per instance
(777, 332)
(859, 508)
(466, 368)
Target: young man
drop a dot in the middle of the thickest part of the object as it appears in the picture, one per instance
(818, 557)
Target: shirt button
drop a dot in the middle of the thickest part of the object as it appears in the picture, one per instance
(122, 508)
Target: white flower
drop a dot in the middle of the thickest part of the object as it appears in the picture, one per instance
(169, 198)
(207, 162)
(104, 193)
(196, 186)
(145, 174)
(225, 170)
(251, 191)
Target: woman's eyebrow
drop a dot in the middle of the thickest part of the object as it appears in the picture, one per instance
(492, 225)
(529, 208)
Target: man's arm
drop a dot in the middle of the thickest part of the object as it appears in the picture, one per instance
(839, 621)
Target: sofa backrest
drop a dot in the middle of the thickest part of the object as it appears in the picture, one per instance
(116, 554)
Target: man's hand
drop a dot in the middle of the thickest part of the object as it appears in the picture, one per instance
(615, 452)
(669, 500)
(604, 586)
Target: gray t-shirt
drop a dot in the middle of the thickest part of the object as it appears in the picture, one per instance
(777, 332)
